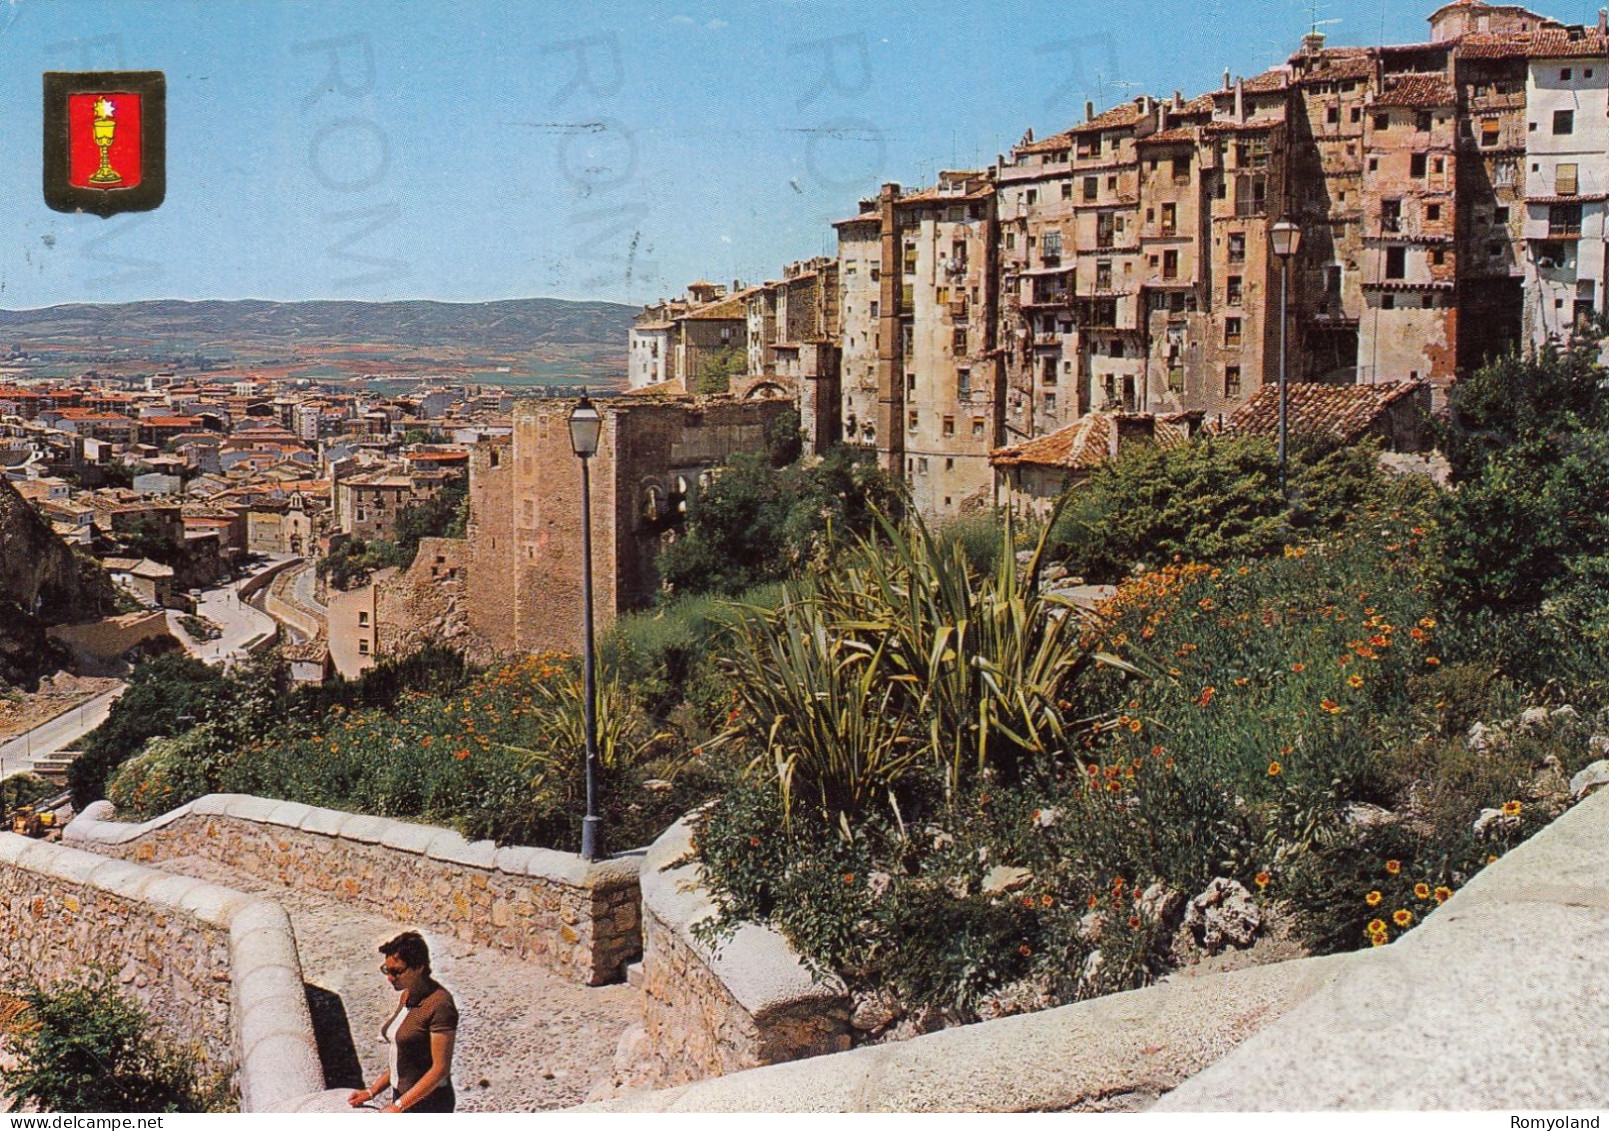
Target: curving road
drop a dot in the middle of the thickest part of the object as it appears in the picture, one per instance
(60, 733)
(241, 625)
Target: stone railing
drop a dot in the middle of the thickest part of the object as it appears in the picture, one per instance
(216, 968)
(550, 908)
(709, 1011)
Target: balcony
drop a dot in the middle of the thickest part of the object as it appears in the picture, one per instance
(1565, 230)
(959, 310)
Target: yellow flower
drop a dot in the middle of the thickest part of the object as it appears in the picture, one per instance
(1402, 918)
(1443, 894)
(1262, 879)
(1393, 867)
(1377, 940)
(1421, 891)
(1373, 899)
(1330, 707)
(1274, 769)
(1354, 681)
(1511, 808)
(1377, 927)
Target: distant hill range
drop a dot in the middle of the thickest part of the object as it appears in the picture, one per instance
(513, 325)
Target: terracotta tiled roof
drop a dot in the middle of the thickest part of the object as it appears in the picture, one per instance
(1173, 136)
(1346, 411)
(1418, 90)
(1091, 441)
(1494, 46)
(1327, 69)
(1119, 116)
(1063, 140)
(1556, 43)
(934, 196)
(722, 310)
(1275, 78)
(1251, 125)
(675, 387)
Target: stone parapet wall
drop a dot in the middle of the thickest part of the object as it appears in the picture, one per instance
(711, 1011)
(550, 908)
(216, 968)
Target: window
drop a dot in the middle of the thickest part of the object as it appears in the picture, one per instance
(1231, 380)
(1103, 275)
(1050, 247)
(1333, 115)
(1111, 184)
(1432, 212)
(958, 340)
(1438, 257)
(1388, 302)
(1491, 132)
(1564, 220)
(1391, 215)
(1438, 165)
(1237, 247)
(1382, 121)
(963, 383)
(1232, 332)
(1181, 170)
(1563, 122)
(1067, 190)
(1170, 219)
(1011, 240)
(1427, 302)
(949, 426)
(363, 619)
(1417, 165)
(913, 420)
(1566, 181)
(1170, 264)
(1033, 196)
(363, 647)
(1332, 280)
(1500, 216)
(977, 426)
(1050, 402)
(1251, 195)
(1422, 122)
(1564, 75)
(1357, 114)
(1232, 293)
(1396, 263)
(1105, 229)
(1092, 188)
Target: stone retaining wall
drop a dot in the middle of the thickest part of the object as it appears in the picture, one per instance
(550, 908)
(709, 1011)
(216, 968)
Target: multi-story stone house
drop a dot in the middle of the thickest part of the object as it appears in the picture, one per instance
(671, 339)
(1567, 161)
(918, 288)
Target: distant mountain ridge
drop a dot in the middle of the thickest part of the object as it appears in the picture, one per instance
(508, 324)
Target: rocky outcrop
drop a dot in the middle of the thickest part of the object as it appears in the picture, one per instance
(42, 582)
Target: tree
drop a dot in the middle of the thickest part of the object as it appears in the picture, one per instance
(716, 370)
(757, 523)
(85, 1048)
(1211, 500)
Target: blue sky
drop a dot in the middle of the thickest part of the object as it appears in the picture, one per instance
(474, 149)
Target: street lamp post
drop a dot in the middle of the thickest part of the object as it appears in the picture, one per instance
(1286, 237)
(585, 426)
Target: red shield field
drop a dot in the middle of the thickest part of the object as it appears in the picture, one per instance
(104, 143)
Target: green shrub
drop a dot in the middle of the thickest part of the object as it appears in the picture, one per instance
(83, 1047)
(1211, 500)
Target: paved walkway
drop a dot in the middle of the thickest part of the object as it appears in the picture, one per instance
(528, 1039)
(17, 755)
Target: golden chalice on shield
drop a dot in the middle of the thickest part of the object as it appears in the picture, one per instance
(104, 127)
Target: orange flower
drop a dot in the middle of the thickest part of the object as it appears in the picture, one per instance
(1135, 725)
(849, 877)
(1427, 622)
(1393, 867)
(461, 753)
(1298, 668)
(754, 842)
(1274, 769)
(1093, 901)
(1402, 918)
(1242, 681)
(1432, 661)
(1262, 879)
(1330, 707)
(1443, 894)
(1047, 901)
(1025, 950)
(1205, 698)
(1157, 751)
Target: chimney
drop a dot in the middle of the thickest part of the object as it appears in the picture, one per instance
(1089, 111)
(1240, 99)
(1603, 21)
(1178, 100)
(1161, 116)
(1313, 43)
(1226, 78)
(736, 286)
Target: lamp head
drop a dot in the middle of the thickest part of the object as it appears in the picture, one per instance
(1286, 238)
(586, 423)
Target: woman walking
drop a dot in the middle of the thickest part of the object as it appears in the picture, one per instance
(420, 1033)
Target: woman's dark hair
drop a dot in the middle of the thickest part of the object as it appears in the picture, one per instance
(411, 948)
